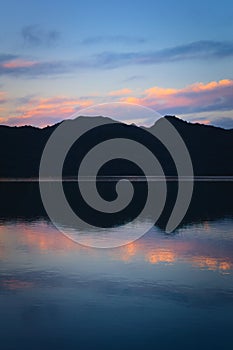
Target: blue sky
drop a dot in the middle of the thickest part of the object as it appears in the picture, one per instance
(175, 57)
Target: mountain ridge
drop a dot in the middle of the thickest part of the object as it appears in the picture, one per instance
(169, 117)
(210, 148)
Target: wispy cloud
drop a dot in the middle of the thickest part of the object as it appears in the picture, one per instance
(21, 67)
(7, 57)
(34, 35)
(202, 50)
(114, 39)
(224, 122)
(223, 119)
(18, 63)
(199, 50)
(133, 78)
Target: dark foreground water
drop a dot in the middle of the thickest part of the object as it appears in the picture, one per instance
(160, 292)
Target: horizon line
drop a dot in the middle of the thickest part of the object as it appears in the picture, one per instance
(116, 121)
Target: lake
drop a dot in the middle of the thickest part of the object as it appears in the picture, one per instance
(161, 291)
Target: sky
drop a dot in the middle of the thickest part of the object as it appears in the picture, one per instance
(58, 57)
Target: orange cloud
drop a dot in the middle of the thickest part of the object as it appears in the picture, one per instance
(215, 95)
(131, 99)
(160, 92)
(44, 111)
(211, 86)
(120, 92)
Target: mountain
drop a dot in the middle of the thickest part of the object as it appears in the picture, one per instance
(210, 148)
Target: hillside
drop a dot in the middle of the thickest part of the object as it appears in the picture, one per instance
(210, 149)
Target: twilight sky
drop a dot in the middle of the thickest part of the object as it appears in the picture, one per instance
(57, 57)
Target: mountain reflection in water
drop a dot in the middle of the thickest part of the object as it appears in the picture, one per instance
(162, 290)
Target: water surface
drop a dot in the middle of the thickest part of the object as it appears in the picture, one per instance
(161, 291)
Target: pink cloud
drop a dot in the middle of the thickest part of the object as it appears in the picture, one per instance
(18, 64)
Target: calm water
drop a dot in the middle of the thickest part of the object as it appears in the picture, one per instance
(160, 292)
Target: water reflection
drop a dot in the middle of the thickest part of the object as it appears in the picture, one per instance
(169, 291)
(211, 201)
(14, 284)
(190, 245)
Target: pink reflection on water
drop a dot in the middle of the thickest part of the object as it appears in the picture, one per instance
(45, 239)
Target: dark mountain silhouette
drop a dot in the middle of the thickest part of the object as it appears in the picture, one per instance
(210, 149)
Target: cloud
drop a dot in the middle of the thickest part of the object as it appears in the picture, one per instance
(123, 112)
(44, 111)
(18, 63)
(207, 103)
(196, 118)
(20, 67)
(6, 57)
(114, 39)
(199, 50)
(199, 97)
(2, 97)
(34, 35)
(120, 92)
(224, 122)
(13, 65)
(134, 77)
